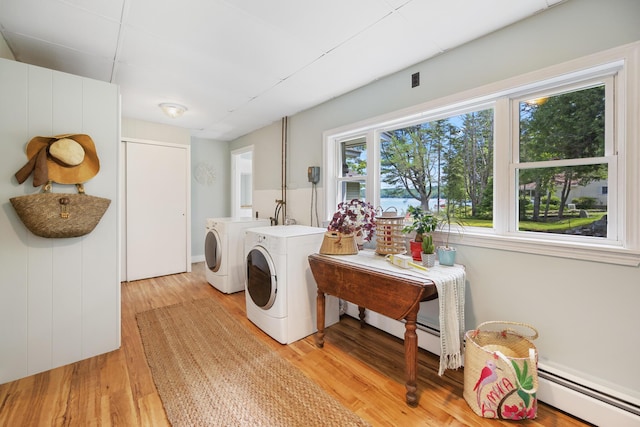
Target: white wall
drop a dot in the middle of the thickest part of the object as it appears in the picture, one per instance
(59, 298)
(140, 129)
(586, 312)
(208, 200)
(304, 149)
(267, 166)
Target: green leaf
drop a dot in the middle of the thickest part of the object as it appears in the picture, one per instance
(525, 380)
(525, 397)
(525, 370)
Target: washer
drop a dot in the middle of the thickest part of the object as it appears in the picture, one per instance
(224, 251)
(280, 291)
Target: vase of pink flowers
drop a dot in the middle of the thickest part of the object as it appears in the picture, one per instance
(353, 221)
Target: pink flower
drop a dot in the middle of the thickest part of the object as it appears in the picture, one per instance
(513, 412)
(531, 413)
(510, 412)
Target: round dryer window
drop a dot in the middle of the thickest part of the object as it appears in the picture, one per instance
(261, 278)
(212, 250)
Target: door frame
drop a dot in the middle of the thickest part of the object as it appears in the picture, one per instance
(236, 186)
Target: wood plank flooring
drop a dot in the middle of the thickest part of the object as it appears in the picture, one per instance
(361, 367)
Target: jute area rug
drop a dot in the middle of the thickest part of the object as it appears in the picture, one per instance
(210, 371)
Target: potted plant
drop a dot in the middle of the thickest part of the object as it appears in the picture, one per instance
(421, 222)
(445, 221)
(428, 251)
(353, 222)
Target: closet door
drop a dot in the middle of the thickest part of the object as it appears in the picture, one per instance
(156, 209)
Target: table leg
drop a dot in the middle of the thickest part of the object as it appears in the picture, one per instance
(320, 319)
(410, 357)
(361, 315)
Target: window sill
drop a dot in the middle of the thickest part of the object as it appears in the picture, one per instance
(572, 250)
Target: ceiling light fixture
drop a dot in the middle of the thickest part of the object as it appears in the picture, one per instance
(172, 110)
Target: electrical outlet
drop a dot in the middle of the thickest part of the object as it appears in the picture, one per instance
(415, 79)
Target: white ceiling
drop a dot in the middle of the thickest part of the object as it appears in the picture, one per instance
(239, 65)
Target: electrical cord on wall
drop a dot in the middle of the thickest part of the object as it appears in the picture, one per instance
(314, 201)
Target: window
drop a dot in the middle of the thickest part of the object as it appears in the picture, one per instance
(541, 164)
(443, 161)
(353, 169)
(562, 148)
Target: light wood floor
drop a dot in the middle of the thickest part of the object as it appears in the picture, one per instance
(362, 368)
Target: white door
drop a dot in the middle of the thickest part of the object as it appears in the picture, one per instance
(157, 185)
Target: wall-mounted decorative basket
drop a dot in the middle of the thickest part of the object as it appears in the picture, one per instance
(60, 215)
(335, 243)
(389, 236)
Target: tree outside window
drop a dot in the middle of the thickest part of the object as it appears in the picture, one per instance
(538, 163)
(441, 162)
(566, 134)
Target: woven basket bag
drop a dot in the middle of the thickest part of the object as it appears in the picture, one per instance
(60, 215)
(500, 372)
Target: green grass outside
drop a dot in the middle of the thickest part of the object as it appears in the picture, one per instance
(551, 226)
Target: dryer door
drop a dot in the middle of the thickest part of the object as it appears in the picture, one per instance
(213, 250)
(262, 284)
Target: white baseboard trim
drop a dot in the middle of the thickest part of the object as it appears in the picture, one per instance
(197, 258)
(584, 406)
(588, 406)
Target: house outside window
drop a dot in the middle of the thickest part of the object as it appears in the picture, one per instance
(352, 158)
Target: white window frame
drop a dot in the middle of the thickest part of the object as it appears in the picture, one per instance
(356, 178)
(622, 246)
(610, 158)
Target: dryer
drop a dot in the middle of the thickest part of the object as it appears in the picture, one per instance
(280, 290)
(224, 251)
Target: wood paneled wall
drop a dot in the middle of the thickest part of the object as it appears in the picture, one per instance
(59, 298)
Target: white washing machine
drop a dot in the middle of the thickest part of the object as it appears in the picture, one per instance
(224, 251)
(280, 290)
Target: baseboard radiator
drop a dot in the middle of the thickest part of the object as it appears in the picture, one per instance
(566, 394)
(557, 389)
(585, 402)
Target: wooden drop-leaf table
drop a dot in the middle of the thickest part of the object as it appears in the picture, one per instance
(370, 282)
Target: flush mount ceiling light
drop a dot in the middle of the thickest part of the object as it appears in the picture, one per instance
(172, 110)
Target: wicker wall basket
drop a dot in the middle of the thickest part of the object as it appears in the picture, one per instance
(60, 215)
(335, 243)
(500, 372)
